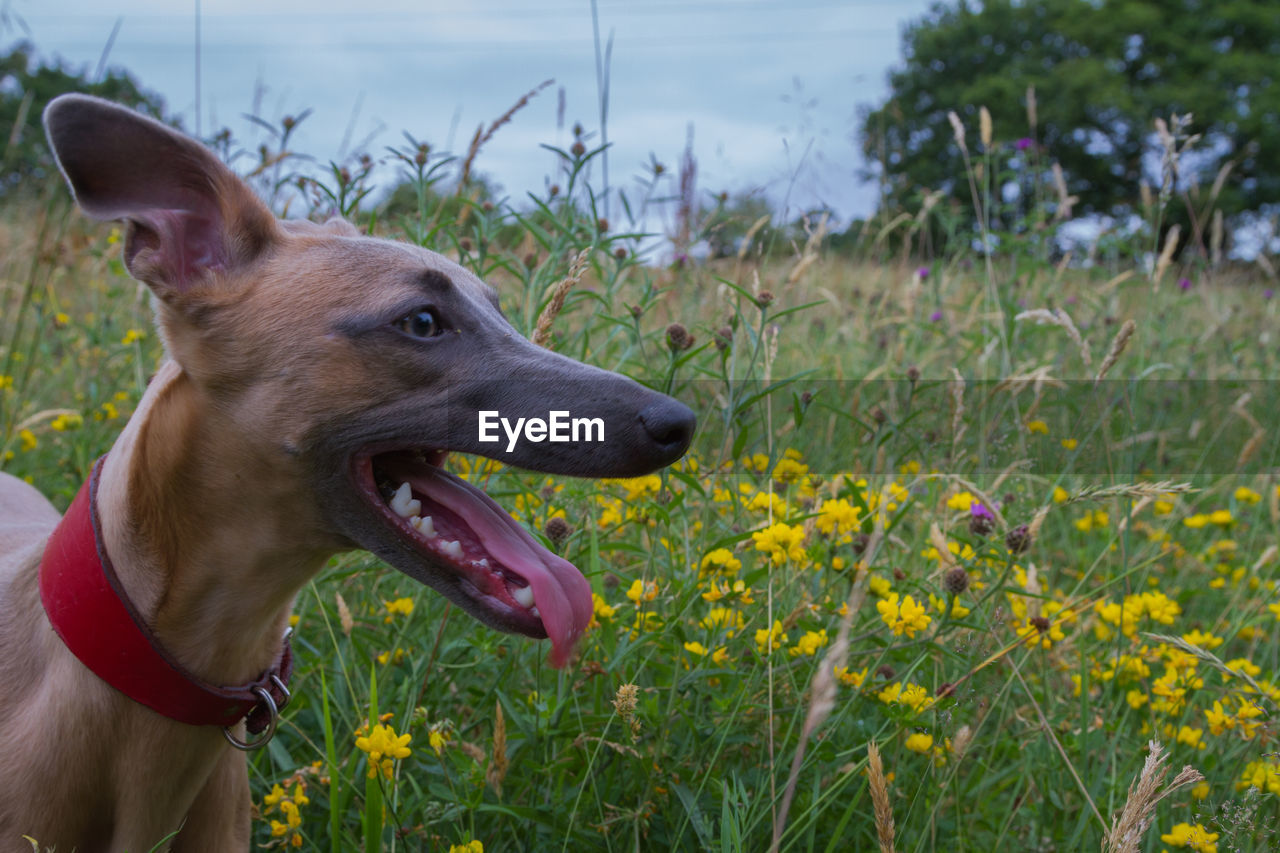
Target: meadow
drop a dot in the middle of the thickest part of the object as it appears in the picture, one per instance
(973, 550)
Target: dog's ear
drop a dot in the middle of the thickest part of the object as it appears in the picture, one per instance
(190, 218)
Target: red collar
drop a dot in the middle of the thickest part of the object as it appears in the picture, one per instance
(96, 620)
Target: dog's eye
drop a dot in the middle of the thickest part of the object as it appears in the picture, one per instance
(421, 323)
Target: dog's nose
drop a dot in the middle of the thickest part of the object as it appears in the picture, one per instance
(670, 424)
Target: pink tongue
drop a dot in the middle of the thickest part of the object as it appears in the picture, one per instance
(560, 592)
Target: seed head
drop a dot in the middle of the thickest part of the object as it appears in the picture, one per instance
(913, 374)
(765, 298)
(1040, 623)
(557, 530)
(620, 253)
(1018, 540)
(980, 525)
(678, 337)
(956, 580)
(577, 149)
(724, 337)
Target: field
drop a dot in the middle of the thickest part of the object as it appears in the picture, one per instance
(1007, 522)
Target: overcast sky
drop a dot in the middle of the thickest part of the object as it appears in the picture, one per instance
(771, 88)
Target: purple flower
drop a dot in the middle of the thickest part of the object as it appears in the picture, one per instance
(1024, 143)
(1185, 284)
(935, 317)
(923, 273)
(1268, 293)
(977, 510)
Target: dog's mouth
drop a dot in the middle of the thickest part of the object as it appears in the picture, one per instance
(473, 551)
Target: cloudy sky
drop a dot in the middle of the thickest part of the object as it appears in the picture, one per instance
(771, 88)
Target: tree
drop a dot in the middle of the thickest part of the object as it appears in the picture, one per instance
(26, 86)
(1103, 71)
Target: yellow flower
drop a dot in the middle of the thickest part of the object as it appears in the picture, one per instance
(838, 517)
(905, 618)
(399, 607)
(1246, 495)
(769, 639)
(1069, 443)
(382, 744)
(723, 617)
(63, 423)
(1193, 837)
(1136, 699)
(789, 470)
(132, 335)
(601, 608)
(960, 501)
(642, 591)
(5, 381)
(1222, 518)
(722, 560)
(1191, 737)
(1203, 640)
(809, 644)
(781, 542)
(1263, 774)
(437, 737)
(1200, 792)
(919, 742)
(28, 440)
(1037, 426)
(467, 847)
(1060, 495)
(696, 648)
(852, 679)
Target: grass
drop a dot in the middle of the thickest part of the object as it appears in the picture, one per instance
(912, 519)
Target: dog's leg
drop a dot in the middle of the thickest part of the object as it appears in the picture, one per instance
(219, 819)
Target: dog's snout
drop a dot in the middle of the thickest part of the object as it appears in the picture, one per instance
(670, 424)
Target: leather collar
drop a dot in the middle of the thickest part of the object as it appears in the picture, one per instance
(93, 615)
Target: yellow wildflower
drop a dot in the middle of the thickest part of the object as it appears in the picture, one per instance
(399, 607)
(768, 639)
(721, 560)
(809, 644)
(905, 618)
(781, 542)
(1194, 837)
(642, 591)
(919, 742)
(383, 745)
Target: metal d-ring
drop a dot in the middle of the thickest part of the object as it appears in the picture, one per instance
(275, 679)
(268, 734)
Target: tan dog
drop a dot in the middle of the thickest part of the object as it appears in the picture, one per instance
(312, 373)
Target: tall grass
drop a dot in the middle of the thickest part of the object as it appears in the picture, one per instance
(912, 589)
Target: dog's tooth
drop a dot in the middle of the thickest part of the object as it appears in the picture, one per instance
(403, 503)
(424, 525)
(452, 548)
(483, 563)
(523, 596)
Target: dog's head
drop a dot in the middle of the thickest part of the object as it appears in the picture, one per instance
(351, 366)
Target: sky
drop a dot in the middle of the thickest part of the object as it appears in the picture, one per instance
(770, 90)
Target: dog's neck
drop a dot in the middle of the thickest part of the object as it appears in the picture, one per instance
(206, 532)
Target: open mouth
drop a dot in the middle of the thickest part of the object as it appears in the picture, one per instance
(473, 548)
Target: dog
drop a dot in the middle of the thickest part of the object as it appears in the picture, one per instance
(314, 381)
